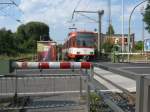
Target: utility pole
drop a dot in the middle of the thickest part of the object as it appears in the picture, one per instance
(109, 10)
(100, 14)
(109, 19)
(122, 45)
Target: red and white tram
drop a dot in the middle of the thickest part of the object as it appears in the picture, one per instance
(79, 45)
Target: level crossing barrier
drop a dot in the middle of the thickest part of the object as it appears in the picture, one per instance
(51, 65)
(57, 86)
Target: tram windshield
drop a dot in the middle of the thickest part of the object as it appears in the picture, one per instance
(86, 40)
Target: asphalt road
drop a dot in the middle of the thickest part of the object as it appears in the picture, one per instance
(136, 68)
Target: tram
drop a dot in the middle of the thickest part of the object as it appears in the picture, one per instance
(80, 45)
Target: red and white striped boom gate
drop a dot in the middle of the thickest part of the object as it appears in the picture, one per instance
(52, 65)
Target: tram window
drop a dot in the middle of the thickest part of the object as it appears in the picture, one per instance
(70, 43)
(84, 43)
(73, 42)
(78, 42)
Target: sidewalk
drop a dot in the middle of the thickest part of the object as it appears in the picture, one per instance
(103, 76)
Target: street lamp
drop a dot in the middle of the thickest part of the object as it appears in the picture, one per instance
(142, 13)
(129, 33)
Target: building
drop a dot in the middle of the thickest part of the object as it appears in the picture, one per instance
(112, 39)
(46, 51)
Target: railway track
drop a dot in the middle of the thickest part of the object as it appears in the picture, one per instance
(122, 101)
(132, 97)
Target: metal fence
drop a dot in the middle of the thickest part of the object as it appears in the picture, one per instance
(39, 90)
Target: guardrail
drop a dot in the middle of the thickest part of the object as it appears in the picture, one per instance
(58, 88)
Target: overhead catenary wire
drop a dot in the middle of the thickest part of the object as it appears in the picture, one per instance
(2, 8)
(10, 3)
(7, 15)
(77, 5)
(14, 3)
(88, 17)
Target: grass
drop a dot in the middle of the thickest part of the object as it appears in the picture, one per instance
(19, 56)
(138, 57)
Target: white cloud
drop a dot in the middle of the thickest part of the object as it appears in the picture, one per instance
(58, 11)
(2, 17)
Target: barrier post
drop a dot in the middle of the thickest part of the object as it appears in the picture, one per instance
(139, 93)
(16, 89)
(88, 94)
(89, 80)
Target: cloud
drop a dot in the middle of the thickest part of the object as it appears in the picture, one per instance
(55, 12)
(2, 17)
(58, 13)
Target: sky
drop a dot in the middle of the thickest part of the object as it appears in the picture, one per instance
(58, 13)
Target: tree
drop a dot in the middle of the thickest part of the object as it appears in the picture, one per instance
(147, 16)
(29, 34)
(110, 30)
(7, 42)
(139, 45)
(107, 45)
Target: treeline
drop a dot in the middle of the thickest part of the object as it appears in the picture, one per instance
(24, 39)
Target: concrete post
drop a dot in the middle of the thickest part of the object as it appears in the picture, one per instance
(146, 101)
(139, 93)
